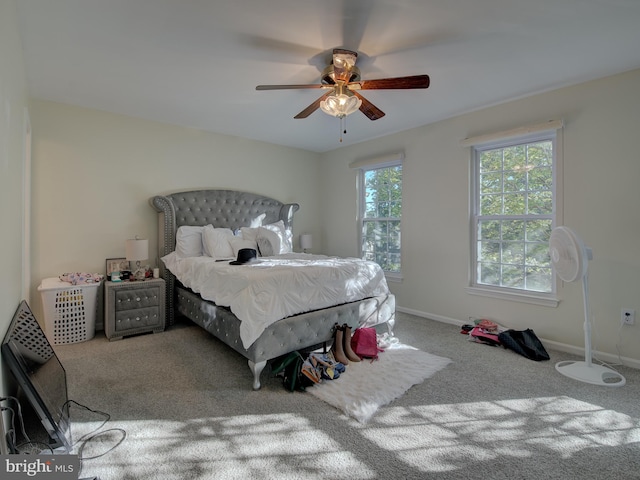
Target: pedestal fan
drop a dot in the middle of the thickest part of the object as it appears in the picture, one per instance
(570, 259)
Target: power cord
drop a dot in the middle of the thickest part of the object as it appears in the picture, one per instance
(96, 433)
(619, 342)
(11, 436)
(602, 362)
(31, 447)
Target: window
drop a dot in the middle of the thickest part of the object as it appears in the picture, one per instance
(513, 211)
(380, 212)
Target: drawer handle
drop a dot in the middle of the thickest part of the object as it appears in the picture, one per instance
(137, 299)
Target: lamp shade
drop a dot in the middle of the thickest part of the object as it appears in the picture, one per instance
(340, 105)
(137, 249)
(306, 241)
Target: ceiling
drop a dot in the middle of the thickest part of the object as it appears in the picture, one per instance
(196, 63)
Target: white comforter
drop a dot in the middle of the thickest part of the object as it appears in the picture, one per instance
(273, 288)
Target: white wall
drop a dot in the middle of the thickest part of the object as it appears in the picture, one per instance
(601, 202)
(94, 173)
(13, 104)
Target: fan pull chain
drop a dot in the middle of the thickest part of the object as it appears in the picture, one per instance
(343, 127)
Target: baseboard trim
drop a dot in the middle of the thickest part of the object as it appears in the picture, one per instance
(603, 357)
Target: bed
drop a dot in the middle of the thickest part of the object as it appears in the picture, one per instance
(236, 211)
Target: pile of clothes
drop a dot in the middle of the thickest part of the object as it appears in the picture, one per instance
(483, 331)
(523, 342)
(81, 278)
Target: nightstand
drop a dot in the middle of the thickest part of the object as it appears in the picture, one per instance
(134, 307)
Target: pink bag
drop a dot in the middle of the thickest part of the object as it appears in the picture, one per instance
(480, 335)
(364, 343)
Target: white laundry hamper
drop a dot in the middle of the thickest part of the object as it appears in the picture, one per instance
(69, 310)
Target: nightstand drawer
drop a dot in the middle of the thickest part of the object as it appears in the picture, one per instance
(138, 318)
(130, 299)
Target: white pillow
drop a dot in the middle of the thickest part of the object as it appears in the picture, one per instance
(268, 242)
(257, 222)
(189, 242)
(249, 233)
(216, 242)
(238, 243)
(286, 237)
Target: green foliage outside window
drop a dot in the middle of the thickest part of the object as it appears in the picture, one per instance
(515, 216)
(382, 212)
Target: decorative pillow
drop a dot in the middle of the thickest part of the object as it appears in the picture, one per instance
(268, 242)
(217, 242)
(249, 233)
(286, 240)
(189, 242)
(238, 243)
(257, 222)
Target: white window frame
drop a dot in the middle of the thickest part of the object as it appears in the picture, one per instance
(548, 131)
(387, 161)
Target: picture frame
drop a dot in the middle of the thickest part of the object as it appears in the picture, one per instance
(116, 265)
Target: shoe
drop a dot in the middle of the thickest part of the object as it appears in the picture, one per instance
(346, 346)
(338, 345)
(329, 373)
(311, 371)
(328, 361)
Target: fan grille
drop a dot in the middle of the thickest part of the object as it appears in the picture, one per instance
(568, 254)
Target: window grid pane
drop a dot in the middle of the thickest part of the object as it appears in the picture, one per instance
(514, 216)
(381, 217)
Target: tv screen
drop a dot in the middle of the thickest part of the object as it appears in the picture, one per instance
(39, 373)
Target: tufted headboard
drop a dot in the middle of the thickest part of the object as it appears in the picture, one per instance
(221, 208)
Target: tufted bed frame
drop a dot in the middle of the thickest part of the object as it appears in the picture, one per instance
(235, 209)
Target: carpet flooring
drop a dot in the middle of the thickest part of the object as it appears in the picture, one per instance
(181, 406)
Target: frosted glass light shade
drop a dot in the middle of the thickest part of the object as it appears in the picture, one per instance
(340, 105)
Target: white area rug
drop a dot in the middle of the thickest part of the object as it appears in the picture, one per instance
(366, 386)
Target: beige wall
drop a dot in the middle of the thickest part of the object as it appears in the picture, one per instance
(94, 173)
(13, 104)
(601, 202)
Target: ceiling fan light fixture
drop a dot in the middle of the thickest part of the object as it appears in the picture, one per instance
(342, 79)
(340, 105)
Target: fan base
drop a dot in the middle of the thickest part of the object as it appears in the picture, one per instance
(595, 374)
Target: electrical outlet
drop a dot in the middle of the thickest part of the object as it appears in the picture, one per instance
(628, 316)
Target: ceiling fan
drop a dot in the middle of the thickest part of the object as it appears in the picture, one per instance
(342, 81)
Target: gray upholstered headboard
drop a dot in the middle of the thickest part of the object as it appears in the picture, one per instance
(221, 208)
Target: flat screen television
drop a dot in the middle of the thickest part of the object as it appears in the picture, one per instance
(40, 375)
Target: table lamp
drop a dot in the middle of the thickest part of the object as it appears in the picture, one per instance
(306, 242)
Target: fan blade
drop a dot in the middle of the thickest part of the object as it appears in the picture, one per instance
(313, 107)
(286, 87)
(415, 81)
(369, 109)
